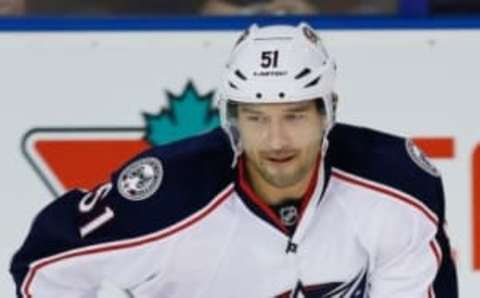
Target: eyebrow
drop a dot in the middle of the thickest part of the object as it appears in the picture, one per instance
(301, 108)
(249, 110)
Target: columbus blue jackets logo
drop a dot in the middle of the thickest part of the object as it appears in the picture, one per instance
(355, 288)
(141, 179)
(61, 155)
(420, 159)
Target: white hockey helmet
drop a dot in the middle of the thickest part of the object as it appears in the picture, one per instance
(277, 64)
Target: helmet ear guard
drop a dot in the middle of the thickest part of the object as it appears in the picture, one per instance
(277, 64)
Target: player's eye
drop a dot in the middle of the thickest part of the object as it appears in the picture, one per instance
(295, 116)
(256, 118)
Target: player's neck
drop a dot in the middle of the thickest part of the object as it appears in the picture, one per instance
(272, 195)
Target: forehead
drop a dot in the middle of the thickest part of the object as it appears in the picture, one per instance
(268, 108)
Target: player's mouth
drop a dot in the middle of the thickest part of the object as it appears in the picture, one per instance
(280, 159)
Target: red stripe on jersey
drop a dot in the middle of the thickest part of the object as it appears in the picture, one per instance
(378, 188)
(284, 295)
(436, 251)
(220, 198)
(245, 186)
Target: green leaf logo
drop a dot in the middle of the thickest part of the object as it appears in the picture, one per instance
(188, 114)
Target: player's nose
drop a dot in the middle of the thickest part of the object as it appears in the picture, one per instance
(277, 137)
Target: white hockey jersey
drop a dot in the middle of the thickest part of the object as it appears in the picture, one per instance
(178, 221)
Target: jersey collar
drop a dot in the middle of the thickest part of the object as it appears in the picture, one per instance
(257, 205)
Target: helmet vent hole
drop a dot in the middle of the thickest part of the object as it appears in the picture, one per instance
(239, 74)
(281, 95)
(313, 83)
(303, 73)
(259, 95)
(232, 85)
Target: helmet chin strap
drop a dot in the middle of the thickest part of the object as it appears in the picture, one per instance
(325, 144)
(228, 128)
(237, 151)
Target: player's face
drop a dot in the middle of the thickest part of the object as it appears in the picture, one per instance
(281, 141)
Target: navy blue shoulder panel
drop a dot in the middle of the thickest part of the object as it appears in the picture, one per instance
(52, 231)
(195, 170)
(383, 158)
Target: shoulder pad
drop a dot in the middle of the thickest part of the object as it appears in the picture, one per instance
(168, 183)
(170, 168)
(386, 159)
(153, 191)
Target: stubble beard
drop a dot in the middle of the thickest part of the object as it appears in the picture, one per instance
(281, 179)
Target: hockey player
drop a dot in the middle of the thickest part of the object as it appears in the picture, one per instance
(281, 202)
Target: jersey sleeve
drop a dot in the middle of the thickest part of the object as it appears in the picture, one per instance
(53, 233)
(70, 251)
(113, 232)
(445, 284)
(413, 257)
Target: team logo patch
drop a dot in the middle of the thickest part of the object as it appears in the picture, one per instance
(141, 179)
(420, 159)
(289, 215)
(355, 288)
